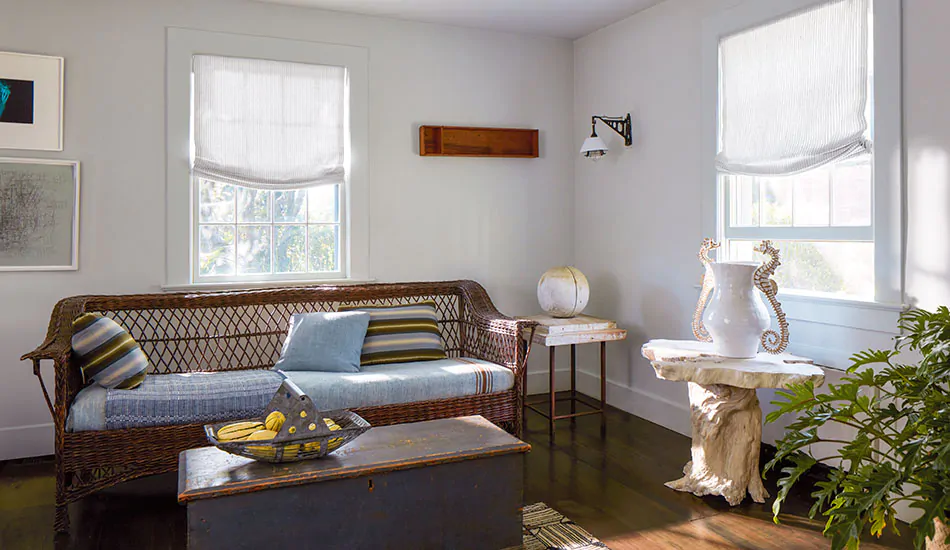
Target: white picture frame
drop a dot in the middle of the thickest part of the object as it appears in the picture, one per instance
(31, 116)
(39, 214)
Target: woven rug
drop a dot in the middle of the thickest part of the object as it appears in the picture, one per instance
(546, 529)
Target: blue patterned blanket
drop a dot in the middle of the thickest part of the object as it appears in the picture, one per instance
(206, 397)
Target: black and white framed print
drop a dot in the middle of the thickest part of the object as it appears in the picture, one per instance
(31, 102)
(39, 215)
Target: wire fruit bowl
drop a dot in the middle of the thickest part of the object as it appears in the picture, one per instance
(305, 432)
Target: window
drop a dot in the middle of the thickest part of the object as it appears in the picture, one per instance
(268, 169)
(250, 232)
(267, 173)
(795, 162)
(820, 220)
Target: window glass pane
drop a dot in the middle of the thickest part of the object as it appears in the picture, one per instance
(290, 206)
(776, 197)
(215, 202)
(253, 205)
(811, 198)
(324, 204)
(290, 248)
(843, 268)
(324, 247)
(745, 192)
(852, 193)
(216, 250)
(253, 249)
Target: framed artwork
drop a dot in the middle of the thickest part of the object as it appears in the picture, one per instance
(31, 102)
(39, 215)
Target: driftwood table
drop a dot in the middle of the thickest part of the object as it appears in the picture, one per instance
(724, 412)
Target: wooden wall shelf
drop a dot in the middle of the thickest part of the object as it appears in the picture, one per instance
(461, 141)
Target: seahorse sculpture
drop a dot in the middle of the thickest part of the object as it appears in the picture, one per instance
(699, 330)
(772, 341)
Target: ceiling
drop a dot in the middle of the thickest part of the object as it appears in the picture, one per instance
(558, 18)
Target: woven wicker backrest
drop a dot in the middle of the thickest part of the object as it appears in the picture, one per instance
(246, 330)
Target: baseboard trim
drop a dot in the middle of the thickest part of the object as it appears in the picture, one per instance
(26, 441)
(538, 381)
(646, 405)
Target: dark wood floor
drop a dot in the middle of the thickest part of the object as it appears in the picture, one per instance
(612, 485)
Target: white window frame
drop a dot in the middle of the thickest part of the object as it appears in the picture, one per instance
(180, 192)
(887, 167)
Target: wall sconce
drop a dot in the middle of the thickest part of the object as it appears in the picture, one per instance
(594, 147)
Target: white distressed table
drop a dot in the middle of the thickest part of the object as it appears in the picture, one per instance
(724, 412)
(582, 329)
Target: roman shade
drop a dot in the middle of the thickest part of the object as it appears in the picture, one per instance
(794, 92)
(270, 125)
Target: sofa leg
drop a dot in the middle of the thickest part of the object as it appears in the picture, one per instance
(61, 521)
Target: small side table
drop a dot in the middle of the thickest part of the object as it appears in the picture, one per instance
(552, 332)
(724, 412)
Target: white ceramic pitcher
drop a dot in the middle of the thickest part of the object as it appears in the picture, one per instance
(736, 316)
(736, 319)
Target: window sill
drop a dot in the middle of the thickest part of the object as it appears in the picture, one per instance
(240, 285)
(841, 312)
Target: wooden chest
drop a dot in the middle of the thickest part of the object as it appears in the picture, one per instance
(453, 483)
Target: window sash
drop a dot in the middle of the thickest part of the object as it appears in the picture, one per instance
(341, 272)
(789, 232)
(857, 234)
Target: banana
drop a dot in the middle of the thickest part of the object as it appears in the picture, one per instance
(238, 431)
(275, 421)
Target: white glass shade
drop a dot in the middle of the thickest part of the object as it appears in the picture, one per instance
(594, 148)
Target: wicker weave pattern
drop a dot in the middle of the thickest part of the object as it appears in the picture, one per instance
(217, 331)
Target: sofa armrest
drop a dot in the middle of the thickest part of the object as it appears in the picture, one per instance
(57, 347)
(490, 335)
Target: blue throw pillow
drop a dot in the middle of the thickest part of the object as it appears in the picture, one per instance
(325, 341)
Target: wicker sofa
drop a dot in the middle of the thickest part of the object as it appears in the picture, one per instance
(227, 331)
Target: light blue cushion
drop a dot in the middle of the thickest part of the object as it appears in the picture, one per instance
(172, 399)
(88, 411)
(324, 341)
(374, 385)
(403, 383)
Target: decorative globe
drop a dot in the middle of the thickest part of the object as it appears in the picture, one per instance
(563, 292)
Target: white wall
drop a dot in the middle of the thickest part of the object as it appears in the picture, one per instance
(638, 211)
(501, 222)
(927, 140)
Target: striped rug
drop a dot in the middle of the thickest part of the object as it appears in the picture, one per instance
(546, 529)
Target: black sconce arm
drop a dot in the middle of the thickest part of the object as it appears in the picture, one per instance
(621, 125)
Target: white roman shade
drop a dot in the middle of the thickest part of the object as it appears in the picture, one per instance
(268, 124)
(794, 92)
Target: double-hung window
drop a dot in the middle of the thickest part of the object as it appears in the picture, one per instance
(268, 169)
(796, 147)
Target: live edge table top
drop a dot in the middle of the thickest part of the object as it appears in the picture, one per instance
(210, 472)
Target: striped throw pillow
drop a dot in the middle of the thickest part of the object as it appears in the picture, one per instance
(400, 334)
(108, 355)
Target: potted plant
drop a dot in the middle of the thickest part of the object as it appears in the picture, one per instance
(901, 450)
